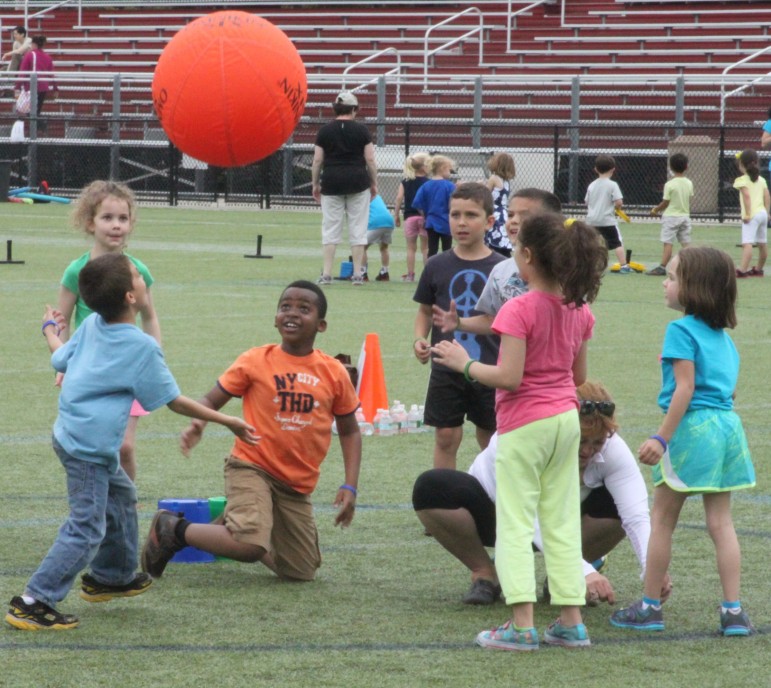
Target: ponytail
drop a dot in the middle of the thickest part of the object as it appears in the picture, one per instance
(749, 160)
(575, 257)
(413, 163)
(584, 257)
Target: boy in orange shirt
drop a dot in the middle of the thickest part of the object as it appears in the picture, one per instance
(291, 393)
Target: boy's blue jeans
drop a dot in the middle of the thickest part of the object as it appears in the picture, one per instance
(101, 530)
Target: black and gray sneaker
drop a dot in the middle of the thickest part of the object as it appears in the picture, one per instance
(161, 543)
(482, 591)
(38, 617)
(92, 590)
(735, 624)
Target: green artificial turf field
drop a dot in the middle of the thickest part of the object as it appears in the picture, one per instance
(385, 610)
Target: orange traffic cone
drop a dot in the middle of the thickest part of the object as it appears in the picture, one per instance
(372, 387)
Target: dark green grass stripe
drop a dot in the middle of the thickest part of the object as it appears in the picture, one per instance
(632, 638)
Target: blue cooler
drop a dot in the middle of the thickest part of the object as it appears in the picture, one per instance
(195, 511)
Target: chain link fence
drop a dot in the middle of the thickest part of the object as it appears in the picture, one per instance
(557, 157)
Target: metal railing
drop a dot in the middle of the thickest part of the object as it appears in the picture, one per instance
(43, 12)
(372, 80)
(724, 96)
(511, 17)
(427, 54)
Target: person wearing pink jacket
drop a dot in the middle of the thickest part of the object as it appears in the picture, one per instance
(39, 61)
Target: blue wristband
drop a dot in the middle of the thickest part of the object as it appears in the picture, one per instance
(350, 488)
(47, 323)
(660, 440)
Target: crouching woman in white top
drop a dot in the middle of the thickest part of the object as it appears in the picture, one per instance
(458, 508)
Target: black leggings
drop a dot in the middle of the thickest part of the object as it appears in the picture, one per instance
(433, 242)
(445, 488)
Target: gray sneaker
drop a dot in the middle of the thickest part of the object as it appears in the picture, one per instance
(161, 543)
(324, 279)
(735, 624)
(658, 271)
(634, 616)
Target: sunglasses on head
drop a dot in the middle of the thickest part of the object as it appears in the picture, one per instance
(605, 408)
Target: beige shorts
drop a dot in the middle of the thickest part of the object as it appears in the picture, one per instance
(675, 227)
(265, 512)
(351, 210)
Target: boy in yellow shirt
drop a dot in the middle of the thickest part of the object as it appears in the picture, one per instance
(675, 210)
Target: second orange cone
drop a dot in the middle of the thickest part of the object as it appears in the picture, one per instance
(372, 386)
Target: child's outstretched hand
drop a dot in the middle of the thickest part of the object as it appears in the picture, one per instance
(446, 321)
(241, 429)
(451, 354)
(345, 502)
(53, 324)
(191, 436)
(53, 315)
(650, 452)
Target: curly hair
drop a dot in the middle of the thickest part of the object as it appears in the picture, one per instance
(91, 197)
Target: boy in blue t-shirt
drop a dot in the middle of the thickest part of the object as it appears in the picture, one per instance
(109, 362)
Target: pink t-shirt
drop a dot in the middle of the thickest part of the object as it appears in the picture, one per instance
(554, 334)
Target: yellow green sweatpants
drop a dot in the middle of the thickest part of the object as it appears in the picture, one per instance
(537, 473)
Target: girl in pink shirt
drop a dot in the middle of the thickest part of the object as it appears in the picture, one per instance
(542, 359)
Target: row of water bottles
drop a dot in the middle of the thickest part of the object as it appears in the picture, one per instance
(394, 421)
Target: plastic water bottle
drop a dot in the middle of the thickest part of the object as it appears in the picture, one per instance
(414, 420)
(384, 425)
(366, 429)
(399, 417)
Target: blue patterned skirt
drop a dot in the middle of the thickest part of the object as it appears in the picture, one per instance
(708, 453)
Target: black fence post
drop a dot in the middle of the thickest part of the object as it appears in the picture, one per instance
(721, 166)
(173, 175)
(556, 157)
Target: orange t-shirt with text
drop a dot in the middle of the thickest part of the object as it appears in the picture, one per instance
(291, 401)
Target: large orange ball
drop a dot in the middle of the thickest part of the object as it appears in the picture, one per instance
(229, 88)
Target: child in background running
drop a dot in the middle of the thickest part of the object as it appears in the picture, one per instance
(755, 202)
(541, 361)
(433, 201)
(414, 225)
(107, 211)
(502, 171)
(699, 447)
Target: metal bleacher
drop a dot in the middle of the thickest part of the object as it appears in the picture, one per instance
(628, 56)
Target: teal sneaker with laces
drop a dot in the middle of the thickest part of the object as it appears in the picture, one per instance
(567, 636)
(507, 637)
(634, 616)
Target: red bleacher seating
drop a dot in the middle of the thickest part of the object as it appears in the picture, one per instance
(677, 37)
